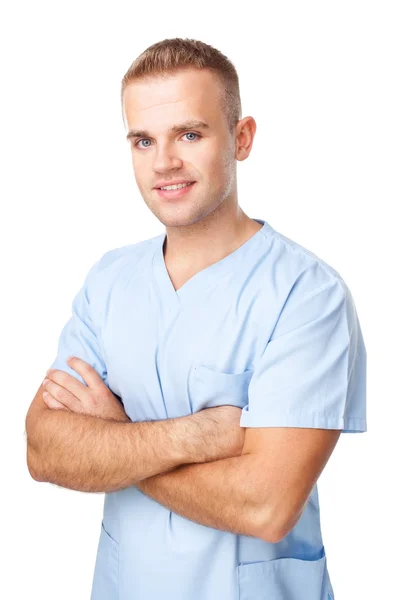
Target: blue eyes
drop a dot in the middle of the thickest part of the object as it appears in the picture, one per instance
(147, 139)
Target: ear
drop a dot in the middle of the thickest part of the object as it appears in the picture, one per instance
(245, 132)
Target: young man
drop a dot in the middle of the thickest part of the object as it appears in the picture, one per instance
(214, 366)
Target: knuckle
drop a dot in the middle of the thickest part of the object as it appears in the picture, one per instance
(57, 376)
(62, 377)
(56, 393)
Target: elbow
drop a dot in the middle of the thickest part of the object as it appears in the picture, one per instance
(273, 528)
(270, 534)
(33, 463)
(33, 449)
(33, 469)
(270, 528)
(35, 474)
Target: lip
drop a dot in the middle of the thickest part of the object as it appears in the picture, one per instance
(176, 182)
(173, 194)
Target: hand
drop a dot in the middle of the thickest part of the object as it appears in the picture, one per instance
(66, 392)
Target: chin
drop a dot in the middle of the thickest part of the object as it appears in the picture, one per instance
(175, 221)
(177, 218)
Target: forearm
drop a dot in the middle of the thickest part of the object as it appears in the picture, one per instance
(216, 494)
(86, 453)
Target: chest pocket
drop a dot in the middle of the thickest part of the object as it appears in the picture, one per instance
(209, 388)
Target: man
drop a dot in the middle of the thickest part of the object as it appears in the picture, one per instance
(213, 366)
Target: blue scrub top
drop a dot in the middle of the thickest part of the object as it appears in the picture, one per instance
(270, 328)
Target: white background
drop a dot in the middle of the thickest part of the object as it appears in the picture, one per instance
(322, 82)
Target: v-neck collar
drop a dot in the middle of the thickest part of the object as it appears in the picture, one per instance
(202, 280)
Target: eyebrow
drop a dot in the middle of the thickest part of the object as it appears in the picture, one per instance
(134, 133)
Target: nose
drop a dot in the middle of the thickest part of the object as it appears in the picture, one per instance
(166, 158)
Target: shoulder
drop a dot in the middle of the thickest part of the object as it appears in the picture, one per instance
(304, 293)
(295, 270)
(298, 286)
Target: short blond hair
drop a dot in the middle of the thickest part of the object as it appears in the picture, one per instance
(177, 54)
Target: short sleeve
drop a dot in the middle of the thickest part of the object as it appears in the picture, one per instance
(312, 372)
(80, 336)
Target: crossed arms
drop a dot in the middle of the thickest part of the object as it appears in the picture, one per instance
(205, 467)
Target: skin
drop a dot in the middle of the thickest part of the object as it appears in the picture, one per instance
(206, 224)
(263, 490)
(80, 437)
(238, 511)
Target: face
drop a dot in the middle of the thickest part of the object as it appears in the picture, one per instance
(205, 154)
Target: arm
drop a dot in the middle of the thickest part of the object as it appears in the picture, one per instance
(301, 396)
(261, 493)
(219, 494)
(91, 454)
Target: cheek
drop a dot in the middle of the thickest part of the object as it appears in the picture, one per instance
(210, 164)
(139, 172)
(220, 170)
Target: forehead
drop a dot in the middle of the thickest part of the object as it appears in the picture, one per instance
(158, 101)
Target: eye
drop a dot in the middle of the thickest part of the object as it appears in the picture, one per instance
(192, 133)
(197, 135)
(141, 140)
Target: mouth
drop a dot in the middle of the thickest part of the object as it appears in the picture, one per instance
(176, 193)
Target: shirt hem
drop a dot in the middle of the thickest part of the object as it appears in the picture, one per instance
(347, 424)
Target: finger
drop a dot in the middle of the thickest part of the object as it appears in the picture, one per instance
(52, 402)
(87, 372)
(63, 396)
(68, 382)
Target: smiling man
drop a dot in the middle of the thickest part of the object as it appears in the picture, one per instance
(214, 366)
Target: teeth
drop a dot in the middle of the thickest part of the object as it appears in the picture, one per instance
(175, 187)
